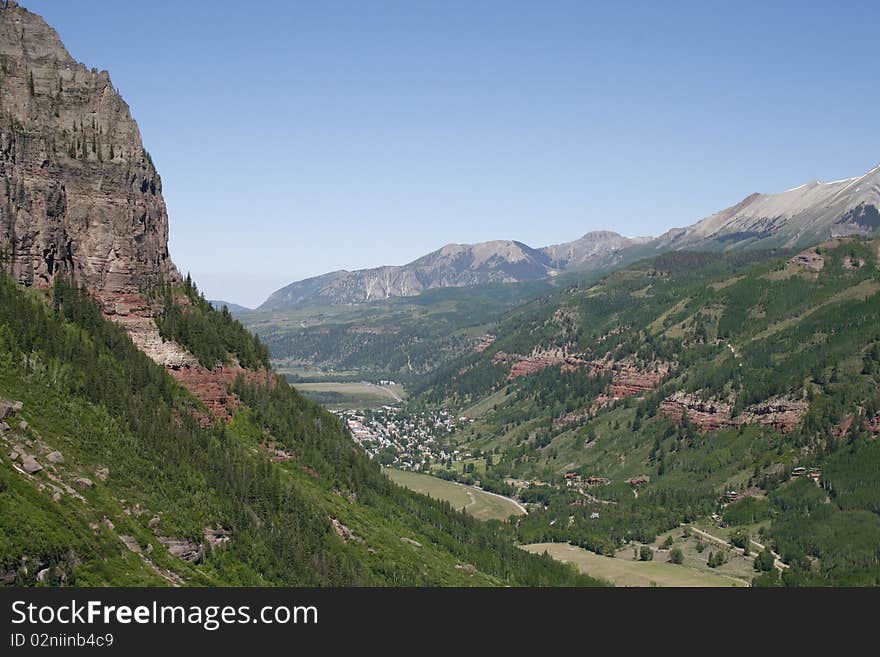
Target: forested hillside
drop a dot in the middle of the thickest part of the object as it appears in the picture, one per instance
(113, 474)
(744, 384)
(401, 339)
(212, 335)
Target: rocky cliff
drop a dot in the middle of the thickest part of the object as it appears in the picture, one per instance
(78, 192)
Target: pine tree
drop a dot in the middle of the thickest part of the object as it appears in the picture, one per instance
(31, 89)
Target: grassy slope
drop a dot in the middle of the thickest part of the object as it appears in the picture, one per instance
(475, 502)
(750, 331)
(90, 394)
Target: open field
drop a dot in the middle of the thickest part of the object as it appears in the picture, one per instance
(337, 394)
(737, 566)
(296, 370)
(478, 503)
(626, 572)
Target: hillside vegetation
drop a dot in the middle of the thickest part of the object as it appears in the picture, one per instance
(111, 474)
(683, 377)
(211, 335)
(401, 339)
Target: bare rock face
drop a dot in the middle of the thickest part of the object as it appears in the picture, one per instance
(9, 408)
(344, 532)
(811, 259)
(217, 538)
(78, 192)
(184, 549)
(212, 387)
(536, 361)
(30, 465)
(710, 415)
(135, 314)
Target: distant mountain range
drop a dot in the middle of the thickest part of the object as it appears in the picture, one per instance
(801, 216)
(454, 265)
(233, 307)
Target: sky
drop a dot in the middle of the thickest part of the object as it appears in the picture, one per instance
(298, 138)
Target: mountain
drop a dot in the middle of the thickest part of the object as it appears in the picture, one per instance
(234, 308)
(805, 215)
(797, 217)
(454, 265)
(594, 250)
(685, 387)
(143, 438)
(80, 193)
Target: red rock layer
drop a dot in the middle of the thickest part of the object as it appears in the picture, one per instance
(211, 387)
(708, 416)
(484, 343)
(782, 414)
(525, 365)
(629, 380)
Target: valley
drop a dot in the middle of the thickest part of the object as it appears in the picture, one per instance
(399, 339)
(146, 441)
(700, 408)
(707, 390)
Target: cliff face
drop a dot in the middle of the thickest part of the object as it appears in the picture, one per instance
(78, 192)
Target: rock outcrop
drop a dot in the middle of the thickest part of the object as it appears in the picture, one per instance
(630, 379)
(78, 192)
(135, 314)
(537, 361)
(708, 415)
(711, 415)
(182, 548)
(9, 408)
(212, 387)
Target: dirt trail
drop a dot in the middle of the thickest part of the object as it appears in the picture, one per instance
(777, 560)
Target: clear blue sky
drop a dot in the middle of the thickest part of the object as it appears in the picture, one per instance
(296, 138)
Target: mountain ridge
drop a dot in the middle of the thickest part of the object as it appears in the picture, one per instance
(797, 217)
(807, 214)
(454, 265)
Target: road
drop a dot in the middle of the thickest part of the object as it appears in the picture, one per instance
(393, 394)
(387, 389)
(504, 497)
(777, 560)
